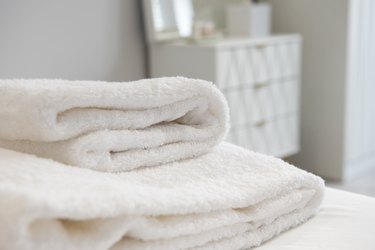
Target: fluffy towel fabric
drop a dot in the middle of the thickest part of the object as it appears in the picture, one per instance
(230, 198)
(112, 126)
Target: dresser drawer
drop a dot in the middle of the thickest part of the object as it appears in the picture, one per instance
(241, 66)
(253, 104)
(282, 60)
(277, 137)
(271, 100)
(248, 65)
(241, 106)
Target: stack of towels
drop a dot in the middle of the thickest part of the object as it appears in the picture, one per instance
(137, 165)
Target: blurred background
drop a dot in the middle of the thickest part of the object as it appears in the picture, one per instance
(299, 75)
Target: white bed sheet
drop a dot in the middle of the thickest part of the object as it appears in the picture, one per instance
(345, 221)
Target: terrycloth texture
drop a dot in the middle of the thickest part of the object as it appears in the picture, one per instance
(230, 198)
(112, 126)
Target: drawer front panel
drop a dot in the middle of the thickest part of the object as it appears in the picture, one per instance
(275, 99)
(278, 137)
(241, 106)
(282, 60)
(251, 105)
(248, 65)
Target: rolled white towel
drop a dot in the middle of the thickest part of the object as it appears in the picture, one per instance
(229, 198)
(112, 126)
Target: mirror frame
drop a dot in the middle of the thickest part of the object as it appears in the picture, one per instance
(152, 35)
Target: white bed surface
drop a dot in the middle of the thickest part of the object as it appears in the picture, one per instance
(346, 221)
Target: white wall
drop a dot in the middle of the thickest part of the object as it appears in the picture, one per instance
(360, 111)
(323, 25)
(84, 39)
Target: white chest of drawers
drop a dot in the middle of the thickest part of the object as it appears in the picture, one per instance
(259, 77)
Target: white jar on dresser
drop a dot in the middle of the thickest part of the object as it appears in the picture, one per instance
(260, 78)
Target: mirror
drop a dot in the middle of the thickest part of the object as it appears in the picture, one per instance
(168, 19)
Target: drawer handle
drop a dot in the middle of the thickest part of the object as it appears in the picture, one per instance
(260, 85)
(261, 46)
(261, 123)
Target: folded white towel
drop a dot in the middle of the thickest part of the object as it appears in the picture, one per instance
(112, 126)
(230, 198)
